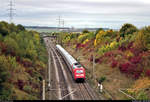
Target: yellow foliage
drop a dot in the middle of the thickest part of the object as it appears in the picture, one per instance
(85, 41)
(37, 37)
(82, 37)
(95, 44)
(100, 34)
(129, 54)
(99, 37)
(130, 91)
(113, 44)
(74, 46)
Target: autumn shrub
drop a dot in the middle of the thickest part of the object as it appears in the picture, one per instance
(85, 31)
(85, 41)
(126, 42)
(130, 45)
(82, 37)
(97, 60)
(147, 72)
(128, 54)
(78, 46)
(102, 37)
(108, 54)
(114, 64)
(124, 67)
(98, 30)
(131, 69)
(26, 63)
(136, 59)
(142, 39)
(106, 48)
(136, 51)
(122, 48)
(91, 58)
(3, 48)
(127, 29)
(145, 59)
(66, 38)
(20, 84)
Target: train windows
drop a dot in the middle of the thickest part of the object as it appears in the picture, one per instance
(79, 66)
(79, 71)
(76, 64)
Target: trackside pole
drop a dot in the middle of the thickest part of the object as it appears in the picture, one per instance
(43, 90)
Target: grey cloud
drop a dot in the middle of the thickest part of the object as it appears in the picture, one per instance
(78, 12)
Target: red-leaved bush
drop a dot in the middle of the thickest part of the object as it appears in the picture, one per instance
(96, 60)
(18, 59)
(108, 54)
(147, 72)
(130, 45)
(122, 48)
(131, 69)
(91, 58)
(136, 51)
(124, 67)
(114, 64)
(3, 48)
(136, 59)
(20, 84)
(26, 63)
(78, 45)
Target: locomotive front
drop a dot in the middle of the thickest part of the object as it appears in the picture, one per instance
(79, 72)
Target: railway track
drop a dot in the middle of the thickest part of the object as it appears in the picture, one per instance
(68, 89)
(54, 88)
(86, 93)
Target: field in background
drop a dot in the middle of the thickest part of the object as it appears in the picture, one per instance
(42, 30)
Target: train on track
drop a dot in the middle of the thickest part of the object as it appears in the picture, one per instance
(78, 72)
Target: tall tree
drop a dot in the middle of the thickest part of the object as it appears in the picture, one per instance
(127, 29)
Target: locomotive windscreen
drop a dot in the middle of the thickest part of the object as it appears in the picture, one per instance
(78, 65)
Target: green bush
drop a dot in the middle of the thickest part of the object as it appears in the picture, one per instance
(127, 29)
(85, 31)
(102, 79)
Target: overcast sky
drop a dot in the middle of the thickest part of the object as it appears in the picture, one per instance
(79, 13)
